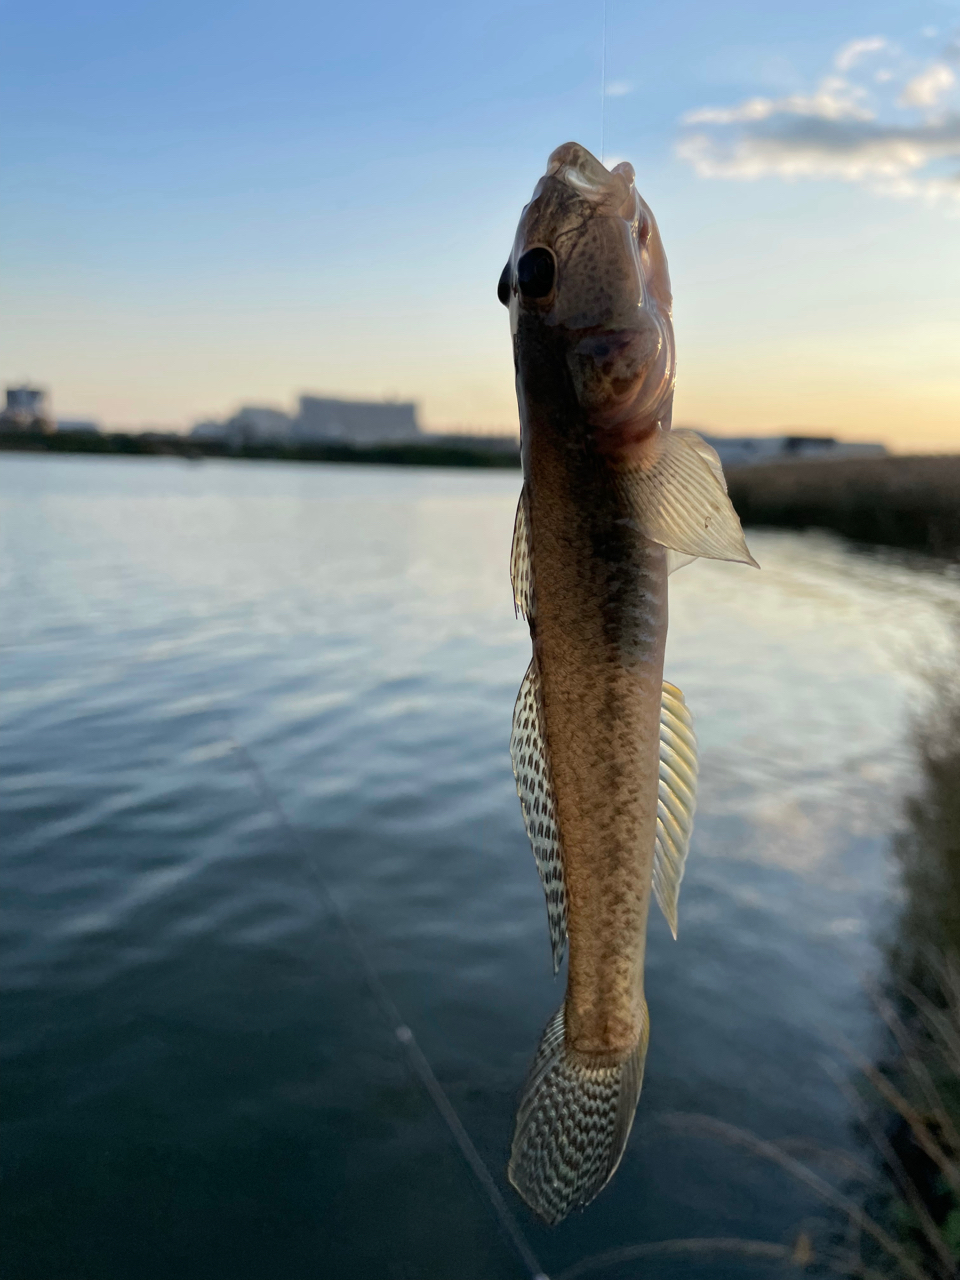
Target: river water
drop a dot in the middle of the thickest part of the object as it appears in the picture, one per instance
(198, 1081)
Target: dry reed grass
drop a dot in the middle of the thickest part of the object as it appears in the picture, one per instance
(896, 501)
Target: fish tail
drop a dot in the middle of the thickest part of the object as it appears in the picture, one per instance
(573, 1123)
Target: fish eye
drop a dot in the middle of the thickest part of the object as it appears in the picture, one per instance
(503, 287)
(536, 272)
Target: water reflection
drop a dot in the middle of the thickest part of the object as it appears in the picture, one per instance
(197, 1083)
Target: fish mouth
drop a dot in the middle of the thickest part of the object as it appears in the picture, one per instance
(581, 171)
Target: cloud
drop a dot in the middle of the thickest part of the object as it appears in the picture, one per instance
(894, 145)
(834, 99)
(816, 148)
(618, 89)
(852, 52)
(924, 90)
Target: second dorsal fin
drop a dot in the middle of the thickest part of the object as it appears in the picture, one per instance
(676, 800)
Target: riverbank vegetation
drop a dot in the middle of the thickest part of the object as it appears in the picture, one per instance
(168, 444)
(917, 1081)
(893, 501)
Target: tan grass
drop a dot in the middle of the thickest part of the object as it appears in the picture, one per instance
(895, 501)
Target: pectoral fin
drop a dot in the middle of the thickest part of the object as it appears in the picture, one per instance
(679, 499)
(676, 800)
(677, 560)
(531, 768)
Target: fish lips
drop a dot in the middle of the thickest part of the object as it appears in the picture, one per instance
(621, 379)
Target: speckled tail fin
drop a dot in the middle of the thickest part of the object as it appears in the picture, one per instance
(572, 1126)
(531, 768)
(676, 800)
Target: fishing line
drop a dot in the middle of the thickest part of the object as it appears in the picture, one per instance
(401, 1030)
(603, 80)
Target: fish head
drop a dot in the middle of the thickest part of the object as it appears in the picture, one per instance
(588, 274)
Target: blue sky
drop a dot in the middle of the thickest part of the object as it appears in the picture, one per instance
(210, 204)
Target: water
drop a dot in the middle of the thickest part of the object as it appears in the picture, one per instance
(198, 1082)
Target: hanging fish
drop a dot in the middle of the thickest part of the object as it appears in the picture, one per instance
(603, 750)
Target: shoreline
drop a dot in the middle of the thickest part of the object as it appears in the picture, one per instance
(126, 444)
(899, 501)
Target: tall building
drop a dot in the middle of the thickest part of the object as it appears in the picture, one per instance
(26, 410)
(354, 421)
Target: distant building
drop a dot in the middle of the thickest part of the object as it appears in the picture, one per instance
(745, 451)
(320, 421)
(255, 424)
(323, 420)
(26, 410)
(252, 424)
(209, 429)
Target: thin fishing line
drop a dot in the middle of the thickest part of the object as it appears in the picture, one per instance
(401, 1030)
(603, 80)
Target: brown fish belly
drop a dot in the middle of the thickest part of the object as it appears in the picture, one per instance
(599, 637)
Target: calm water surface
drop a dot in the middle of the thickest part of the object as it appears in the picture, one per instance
(197, 1080)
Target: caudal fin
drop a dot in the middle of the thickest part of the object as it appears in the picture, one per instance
(573, 1123)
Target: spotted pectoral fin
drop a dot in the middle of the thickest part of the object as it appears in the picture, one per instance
(679, 499)
(676, 800)
(531, 768)
(521, 559)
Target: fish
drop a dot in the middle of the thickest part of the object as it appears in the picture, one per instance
(614, 498)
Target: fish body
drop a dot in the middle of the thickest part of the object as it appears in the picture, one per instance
(603, 751)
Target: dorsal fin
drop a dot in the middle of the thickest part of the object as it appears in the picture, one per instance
(676, 800)
(531, 768)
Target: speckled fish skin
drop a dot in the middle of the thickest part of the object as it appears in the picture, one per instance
(601, 586)
(606, 491)
(598, 639)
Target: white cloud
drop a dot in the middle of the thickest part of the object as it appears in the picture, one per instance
(840, 131)
(618, 88)
(924, 89)
(834, 99)
(852, 52)
(819, 149)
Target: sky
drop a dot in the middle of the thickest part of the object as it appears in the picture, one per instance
(206, 204)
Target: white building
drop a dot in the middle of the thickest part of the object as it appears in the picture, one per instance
(323, 420)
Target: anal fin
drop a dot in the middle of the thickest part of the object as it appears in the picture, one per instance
(531, 768)
(676, 800)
